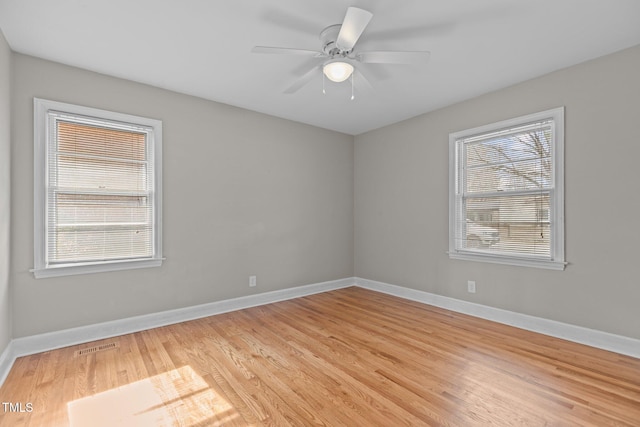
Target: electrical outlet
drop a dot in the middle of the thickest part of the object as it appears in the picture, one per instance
(252, 281)
(471, 286)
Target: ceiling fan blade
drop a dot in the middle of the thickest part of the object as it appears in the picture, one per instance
(394, 57)
(303, 80)
(355, 21)
(361, 80)
(413, 32)
(285, 50)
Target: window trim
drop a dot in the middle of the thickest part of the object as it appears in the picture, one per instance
(41, 110)
(557, 261)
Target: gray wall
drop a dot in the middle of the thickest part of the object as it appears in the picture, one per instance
(244, 194)
(401, 200)
(5, 191)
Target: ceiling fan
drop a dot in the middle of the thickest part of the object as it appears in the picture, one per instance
(337, 58)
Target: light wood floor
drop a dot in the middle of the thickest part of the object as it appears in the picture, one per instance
(350, 357)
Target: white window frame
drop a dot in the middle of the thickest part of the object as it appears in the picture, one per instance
(43, 109)
(556, 261)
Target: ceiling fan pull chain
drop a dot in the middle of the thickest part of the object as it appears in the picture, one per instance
(352, 93)
(323, 91)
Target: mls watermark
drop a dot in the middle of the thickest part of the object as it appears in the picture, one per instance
(17, 407)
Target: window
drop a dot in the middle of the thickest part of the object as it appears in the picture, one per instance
(506, 192)
(97, 190)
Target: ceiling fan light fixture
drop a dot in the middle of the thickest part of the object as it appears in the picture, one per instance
(337, 71)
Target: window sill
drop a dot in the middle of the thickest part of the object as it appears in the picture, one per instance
(497, 259)
(88, 268)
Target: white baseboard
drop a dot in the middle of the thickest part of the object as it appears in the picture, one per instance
(590, 337)
(19, 347)
(6, 362)
(49, 341)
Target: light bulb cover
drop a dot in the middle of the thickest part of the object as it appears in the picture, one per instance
(337, 71)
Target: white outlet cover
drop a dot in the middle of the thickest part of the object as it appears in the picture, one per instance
(471, 286)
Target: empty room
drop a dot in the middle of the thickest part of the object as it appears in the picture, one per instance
(286, 213)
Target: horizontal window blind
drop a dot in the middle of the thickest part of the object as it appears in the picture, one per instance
(504, 192)
(100, 192)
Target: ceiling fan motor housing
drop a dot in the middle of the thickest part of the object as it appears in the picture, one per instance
(328, 37)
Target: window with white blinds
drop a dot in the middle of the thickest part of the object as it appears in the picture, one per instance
(506, 192)
(98, 190)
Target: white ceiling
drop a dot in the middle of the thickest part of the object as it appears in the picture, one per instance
(202, 48)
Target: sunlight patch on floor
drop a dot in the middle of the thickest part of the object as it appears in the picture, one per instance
(176, 398)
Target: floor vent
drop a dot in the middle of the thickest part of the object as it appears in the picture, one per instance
(96, 349)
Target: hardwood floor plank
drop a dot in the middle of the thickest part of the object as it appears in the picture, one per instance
(380, 350)
(333, 392)
(343, 357)
(264, 381)
(350, 357)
